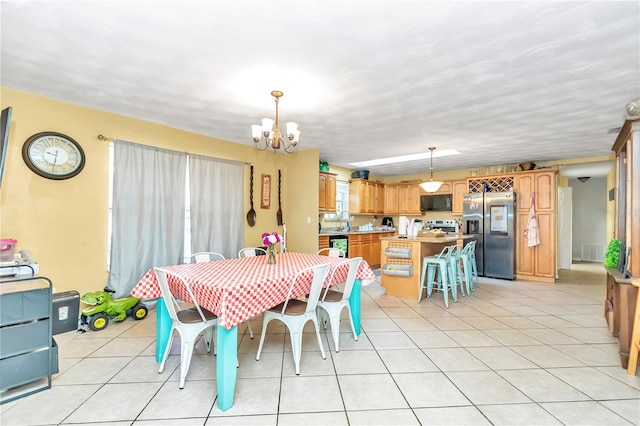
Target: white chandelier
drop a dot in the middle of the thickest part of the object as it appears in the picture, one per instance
(431, 185)
(269, 136)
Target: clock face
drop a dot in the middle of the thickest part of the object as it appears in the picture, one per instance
(53, 155)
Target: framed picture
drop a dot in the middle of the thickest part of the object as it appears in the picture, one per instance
(265, 198)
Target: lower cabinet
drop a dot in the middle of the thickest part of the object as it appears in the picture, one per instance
(536, 263)
(323, 242)
(619, 309)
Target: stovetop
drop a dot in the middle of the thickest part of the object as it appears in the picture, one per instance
(444, 224)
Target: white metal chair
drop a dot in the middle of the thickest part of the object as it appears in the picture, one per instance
(251, 251)
(333, 302)
(332, 252)
(209, 256)
(296, 313)
(188, 322)
(206, 256)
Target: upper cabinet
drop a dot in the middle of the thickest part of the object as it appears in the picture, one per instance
(409, 199)
(445, 188)
(327, 193)
(391, 199)
(459, 188)
(366, 197)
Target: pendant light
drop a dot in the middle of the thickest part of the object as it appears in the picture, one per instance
(431, 185)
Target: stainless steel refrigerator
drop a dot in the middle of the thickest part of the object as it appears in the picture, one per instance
(489, 217)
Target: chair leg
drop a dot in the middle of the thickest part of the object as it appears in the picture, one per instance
(264, 331)
(423, 276)
(445, 282)
(296, 348)
(315, 323)
(185, 360)
(250, 329)
(335, 325)
(166, 351)
(209, 337)
(353, 326)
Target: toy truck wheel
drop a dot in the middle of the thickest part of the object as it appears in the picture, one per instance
(139, 312)
(98, 322)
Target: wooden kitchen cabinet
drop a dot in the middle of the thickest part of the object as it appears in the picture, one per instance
(445, 188)
(323, 242)
(355, 248)
(366, 197)
(459, 188)
(391, 199)
(327, 192)
(539, 262)
(409, 199)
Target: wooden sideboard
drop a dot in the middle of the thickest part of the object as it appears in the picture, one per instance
(619, 310)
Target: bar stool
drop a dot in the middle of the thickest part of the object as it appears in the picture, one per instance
(468, 265)
(473, 265)
(440, 263)
(635, 336)
(456, 276)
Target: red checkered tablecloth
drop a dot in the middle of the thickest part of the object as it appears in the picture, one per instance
(239, 289)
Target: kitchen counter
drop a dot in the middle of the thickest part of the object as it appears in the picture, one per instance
(331, 233)
(449, 238)
(401, 261)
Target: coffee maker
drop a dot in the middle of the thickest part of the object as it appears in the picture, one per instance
(387, 221)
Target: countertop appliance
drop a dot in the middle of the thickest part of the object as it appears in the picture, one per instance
(490, 218)
(444, 225)
(436, 203)
(387, 221)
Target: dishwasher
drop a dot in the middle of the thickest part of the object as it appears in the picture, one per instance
(340, 242)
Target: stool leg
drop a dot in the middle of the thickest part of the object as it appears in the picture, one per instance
(445, 283)
(467, 274)
(430, 277)
(423, 276)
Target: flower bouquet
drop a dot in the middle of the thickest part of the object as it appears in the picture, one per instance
(270, 240)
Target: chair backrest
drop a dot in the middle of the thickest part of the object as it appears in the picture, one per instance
(251, 251)
(353, 265)
(206, 256)
(468, 248)
(445, 253)
(332, 252)
(320, 273)
(173, 306)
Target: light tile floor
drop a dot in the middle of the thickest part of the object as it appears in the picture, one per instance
(512, 353)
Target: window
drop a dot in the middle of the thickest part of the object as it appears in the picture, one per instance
(342, 203)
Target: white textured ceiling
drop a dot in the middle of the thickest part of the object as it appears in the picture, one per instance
(501, 82)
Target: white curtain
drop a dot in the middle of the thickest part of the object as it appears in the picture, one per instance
(148, 213)
(217, 203)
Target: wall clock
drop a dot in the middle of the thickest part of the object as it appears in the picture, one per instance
(53, 155)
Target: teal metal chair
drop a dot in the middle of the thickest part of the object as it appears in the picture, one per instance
(436, 271)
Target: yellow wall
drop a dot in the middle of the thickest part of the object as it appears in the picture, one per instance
(64, 223)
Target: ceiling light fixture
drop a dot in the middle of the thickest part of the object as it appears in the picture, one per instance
(431, 185)
(269, 136)
(584, 178)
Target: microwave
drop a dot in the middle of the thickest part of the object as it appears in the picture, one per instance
(436, 203)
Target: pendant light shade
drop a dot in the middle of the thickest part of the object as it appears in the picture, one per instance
(431, 185)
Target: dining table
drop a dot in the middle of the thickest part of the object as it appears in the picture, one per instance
(239, 289)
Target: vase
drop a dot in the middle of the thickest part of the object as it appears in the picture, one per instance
(271, 255)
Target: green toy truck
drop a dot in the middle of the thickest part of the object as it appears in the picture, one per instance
(102, 306)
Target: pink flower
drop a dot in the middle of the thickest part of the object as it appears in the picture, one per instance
(270, 239)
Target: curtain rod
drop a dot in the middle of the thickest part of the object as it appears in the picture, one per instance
(104, 138)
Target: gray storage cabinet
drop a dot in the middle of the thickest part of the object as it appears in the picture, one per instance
(28, 353)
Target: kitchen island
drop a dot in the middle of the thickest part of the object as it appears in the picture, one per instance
(401, 261)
